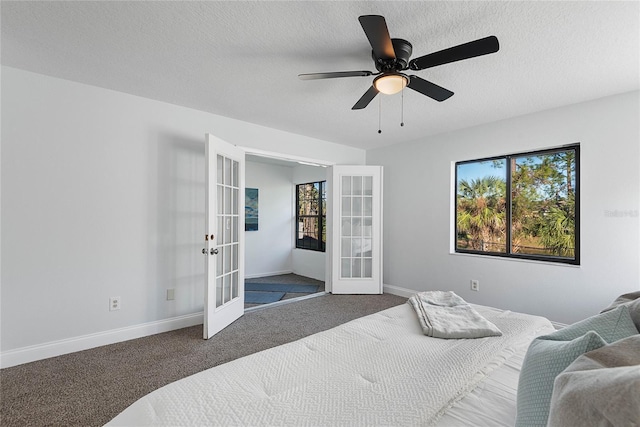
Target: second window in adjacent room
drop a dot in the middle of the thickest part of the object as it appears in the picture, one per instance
(311, 214)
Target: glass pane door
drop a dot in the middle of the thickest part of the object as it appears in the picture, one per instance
(355, 229)
(356, 220)
(228, 192)
(224, 237)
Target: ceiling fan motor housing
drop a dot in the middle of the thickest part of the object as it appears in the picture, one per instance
(403, 50)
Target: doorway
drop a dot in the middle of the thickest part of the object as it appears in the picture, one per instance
(276, 271)
(352, 262)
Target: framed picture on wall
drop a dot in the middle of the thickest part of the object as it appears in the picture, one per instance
(251, 209)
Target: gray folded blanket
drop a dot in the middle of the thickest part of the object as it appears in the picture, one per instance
(443, 314)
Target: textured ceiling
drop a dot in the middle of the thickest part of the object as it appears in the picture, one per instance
(241, 59)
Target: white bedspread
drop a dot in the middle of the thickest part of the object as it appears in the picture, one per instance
(377, 370)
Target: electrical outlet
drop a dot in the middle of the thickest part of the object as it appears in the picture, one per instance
(475, 285)
(114, 303)
(171, 294)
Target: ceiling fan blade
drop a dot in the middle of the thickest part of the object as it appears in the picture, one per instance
(333, 75)
(375, 27)
(365, 99)
(456, 53)
(430, 89)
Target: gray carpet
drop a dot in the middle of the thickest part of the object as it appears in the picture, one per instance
(89, 388)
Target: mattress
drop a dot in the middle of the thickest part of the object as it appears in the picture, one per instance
(376, 370)
(492, 403)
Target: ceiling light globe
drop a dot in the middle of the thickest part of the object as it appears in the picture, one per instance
(390, 83)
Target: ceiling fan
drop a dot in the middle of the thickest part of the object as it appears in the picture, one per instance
(391, 57)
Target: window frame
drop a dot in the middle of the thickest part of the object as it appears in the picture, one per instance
(320, 216)
(508, 207)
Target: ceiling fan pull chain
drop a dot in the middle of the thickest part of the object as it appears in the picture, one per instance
(379, 113)
(402, 108)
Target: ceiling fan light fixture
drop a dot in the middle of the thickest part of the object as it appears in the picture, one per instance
(390, 84)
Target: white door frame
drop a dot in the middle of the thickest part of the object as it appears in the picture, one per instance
(287, 157)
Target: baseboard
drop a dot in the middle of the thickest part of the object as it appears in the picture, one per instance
(273, 273)
(70, 345)
(397, 290)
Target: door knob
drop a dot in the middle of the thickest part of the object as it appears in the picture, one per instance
(214, 251)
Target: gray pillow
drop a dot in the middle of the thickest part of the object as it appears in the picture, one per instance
(631, 296)
(601, 387)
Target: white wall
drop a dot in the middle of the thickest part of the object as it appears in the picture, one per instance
(419, 202)
(305, 262)
(102, 195)
(268, 249)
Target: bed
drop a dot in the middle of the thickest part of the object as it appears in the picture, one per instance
(377, 370)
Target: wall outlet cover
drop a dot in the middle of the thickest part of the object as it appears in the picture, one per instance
(114, 303)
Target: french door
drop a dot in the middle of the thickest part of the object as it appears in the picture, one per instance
(224, 238)
(354, 222)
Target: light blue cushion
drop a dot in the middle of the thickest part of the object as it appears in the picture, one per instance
(549, 355)
(611, 326)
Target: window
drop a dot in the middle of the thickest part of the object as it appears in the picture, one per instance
(520, 206)
(311, 215)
